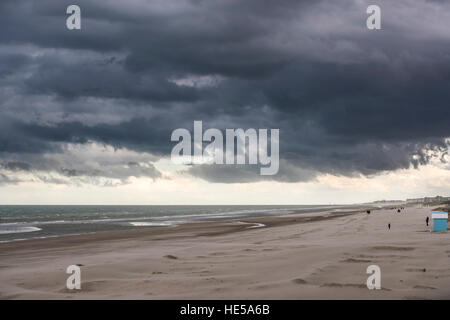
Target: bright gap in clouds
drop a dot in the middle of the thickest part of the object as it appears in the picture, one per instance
(105, 175)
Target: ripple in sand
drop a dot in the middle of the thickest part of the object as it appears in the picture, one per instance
(424, 287)
(352, 285)
(352, 260)
(299, 281)
(393, 248)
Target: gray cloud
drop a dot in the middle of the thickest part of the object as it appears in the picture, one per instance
(4, 179)
(90, 163)
(16, 166)
(346, 100)
(251, 173)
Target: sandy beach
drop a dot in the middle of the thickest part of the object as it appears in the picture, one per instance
(307, 256)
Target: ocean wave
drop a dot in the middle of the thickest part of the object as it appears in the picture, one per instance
(19, 230)
(253, 224)
(150, 224)
(106, 220)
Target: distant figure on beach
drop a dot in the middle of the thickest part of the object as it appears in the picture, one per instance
(389, 226)
(368, 211)
(398, 210)
(427, 220)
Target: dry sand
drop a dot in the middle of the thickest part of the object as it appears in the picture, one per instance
(315, 256)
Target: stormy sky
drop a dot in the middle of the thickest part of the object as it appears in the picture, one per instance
(96, 106)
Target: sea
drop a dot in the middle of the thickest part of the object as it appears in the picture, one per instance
(20, 222)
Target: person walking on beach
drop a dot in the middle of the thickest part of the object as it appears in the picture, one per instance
(427, 220)
(389, 226)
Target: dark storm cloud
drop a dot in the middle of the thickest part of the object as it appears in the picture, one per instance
(17, 166)
(346, 100)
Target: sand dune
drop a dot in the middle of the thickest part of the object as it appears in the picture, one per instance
(315, 256)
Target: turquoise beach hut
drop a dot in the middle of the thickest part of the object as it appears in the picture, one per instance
(439, 220)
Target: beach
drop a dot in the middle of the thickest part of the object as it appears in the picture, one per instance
(322, 255)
